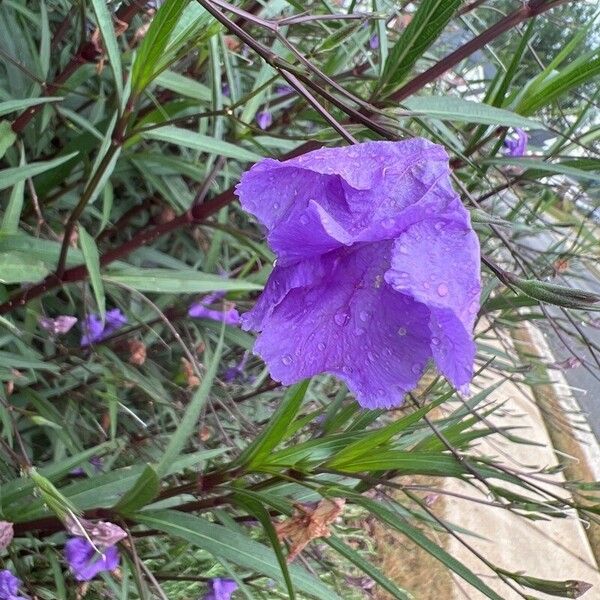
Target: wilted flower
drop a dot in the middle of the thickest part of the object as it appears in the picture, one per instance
(95, 331)
(282, 90)
(6, 534)
(264, 119)
(86, 562)
(9, 586)
(516, 146)
(102, 534)
(58, 326)
(221, 589)
(377, 268)
(200, 310)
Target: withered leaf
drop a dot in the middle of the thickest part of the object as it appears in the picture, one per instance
(308, 523)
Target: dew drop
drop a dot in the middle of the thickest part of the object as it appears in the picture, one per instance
(341, 319)
(416, 369)
(321, 346)
(426, 285)
(304, 220)
(364, 316)
(435, 341)
(388, 223)
(378, 282)
(381, 392)
(370, 356)
(359, 331)
(287, 360)
(442, 290)
(402, 331)
(402, 275)
(275, 205)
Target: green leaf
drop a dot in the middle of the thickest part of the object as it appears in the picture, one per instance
(425, 27)
(16, 267)
(154, 43)
(239, 549)
(189, 421)
(7, 137)
(275, 431)
(18, 105)
(450, 108)
(12, 214)
(107, 30)
(143, 491)
(92, 262)
(391, 519)
(184, 86)
(8, 177)
(203, 143)
(536, 169)
(177, 282)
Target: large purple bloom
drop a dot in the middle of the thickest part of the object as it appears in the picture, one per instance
(201, 310)
(221, 589)
(377, 268)
(85, 563)
(9, 586)
(516, 146)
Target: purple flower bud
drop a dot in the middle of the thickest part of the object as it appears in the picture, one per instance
(85, 562)
(378, 268)
(9, 586)
(94, 331)
(374, 42)
(220, 589)
(59, 326)
(282, 90)
(200, 310)
(237, 372)
(225, 90)
(516, 146)
(264, 119)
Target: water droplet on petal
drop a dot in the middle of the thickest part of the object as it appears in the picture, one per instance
(402, 249)
(388, 223)
(442, 290)
(321, 346)
(435, 341)
(370, 356)
(364, 316)
(381, 392)
(426, 285)
(341, 318)
(304, 220)
(416, 369)
(359, 331)
(439, 225)
(287, 360)
(402, 331)
(275, 205)
(378, 282)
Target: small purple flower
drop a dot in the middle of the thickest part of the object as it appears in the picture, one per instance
(225, 89)
(264, 119)
(374, 42)
(59, 326)
(236, 372)
(85, 562)
(377, 268)
(221, 589)
(9, 586)
(516, 146)
(94, 331)
(283, 90)
(200, 310)
(95, 461)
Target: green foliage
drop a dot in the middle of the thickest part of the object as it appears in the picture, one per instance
(124, 131)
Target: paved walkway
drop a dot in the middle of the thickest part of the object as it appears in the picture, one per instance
(556, 549)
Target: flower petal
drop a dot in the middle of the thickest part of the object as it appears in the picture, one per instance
(352, 324)
(437, 263)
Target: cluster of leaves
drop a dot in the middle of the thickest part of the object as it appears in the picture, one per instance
(123, 134)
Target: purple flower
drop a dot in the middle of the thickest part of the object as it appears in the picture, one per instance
(374, 42)
(282, 90)
(516, 146)
(225, 89)
(59, 326)
(85, 562)
(200, 310)
(95, 461)
(9, 586)
(264, 119)
(377, 268)
(94, 331)
(236, 372)
(221, 589)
